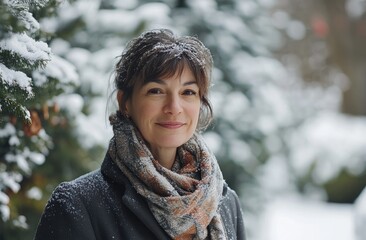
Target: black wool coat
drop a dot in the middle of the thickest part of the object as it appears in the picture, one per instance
(103, 205)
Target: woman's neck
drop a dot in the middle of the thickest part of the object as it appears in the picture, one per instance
(165, 156)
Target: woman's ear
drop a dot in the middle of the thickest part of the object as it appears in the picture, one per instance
(122, 103)
(121, 106)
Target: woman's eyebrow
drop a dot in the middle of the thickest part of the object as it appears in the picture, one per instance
(159, 81)
(190, 83)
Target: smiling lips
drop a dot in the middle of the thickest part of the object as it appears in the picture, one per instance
(171, 125)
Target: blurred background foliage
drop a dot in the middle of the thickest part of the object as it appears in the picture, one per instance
(288, 96)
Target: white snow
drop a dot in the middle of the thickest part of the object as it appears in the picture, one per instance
(281, 19)
(4, 211)
(37, 158)
(126, 4)
(248, 8)
(20, 222)
(26, 47)
(296, 30)
(202, 6)
(29, 21)
(14, 141)
(213, 141)
(4, 199)
(20, 9)
(311, 146)
(95, 73)
(62, 70)
(59, 69)
(154, 14)
(20, 160)
(77, 56)
(101, 131)
(235, 104)
(24, 3)
(72, 103)
(240, 151)
(11, 180)
(267, 3)
(8, 130)
(120, 20)
(355, 8)
(273, 108)
(34, 193)
(15, 78)
(59, 46)
(111, 20)
(360, 216)
(289, 218)
(22, 156)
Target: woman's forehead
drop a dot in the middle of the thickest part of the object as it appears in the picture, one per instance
(185, 78)
(171, 69)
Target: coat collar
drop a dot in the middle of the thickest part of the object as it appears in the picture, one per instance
(131, 198)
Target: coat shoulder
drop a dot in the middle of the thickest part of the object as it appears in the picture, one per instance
(84, 208)
(67, 195)
(82, 187)
(66, 215)
(231, 213)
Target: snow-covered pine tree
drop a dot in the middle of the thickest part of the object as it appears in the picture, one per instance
(61, 119)
(30, 77)
(20, 53)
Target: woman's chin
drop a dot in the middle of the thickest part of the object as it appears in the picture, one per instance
(170, 142)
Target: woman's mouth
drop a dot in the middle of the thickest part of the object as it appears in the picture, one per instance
(171, 125)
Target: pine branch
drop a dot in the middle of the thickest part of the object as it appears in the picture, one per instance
(17, 109)
(18, 62)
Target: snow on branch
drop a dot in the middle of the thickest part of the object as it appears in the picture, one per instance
(9, 180)
(11, 78)
(26, 3)
(59, 69)
(33, 52)
(20, 10)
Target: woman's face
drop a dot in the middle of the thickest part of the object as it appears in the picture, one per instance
(166, 110)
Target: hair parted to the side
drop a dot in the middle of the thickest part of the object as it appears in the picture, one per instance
(160, 53)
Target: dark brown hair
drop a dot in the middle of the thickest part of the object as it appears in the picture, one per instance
(160, 53)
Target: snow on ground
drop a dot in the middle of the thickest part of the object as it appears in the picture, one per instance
(294, 218)
(360, 216)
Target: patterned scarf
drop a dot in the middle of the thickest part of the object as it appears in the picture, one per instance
(185, 199)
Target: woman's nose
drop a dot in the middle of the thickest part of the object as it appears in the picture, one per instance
(173, 105)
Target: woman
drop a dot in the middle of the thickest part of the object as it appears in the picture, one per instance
(158, 179)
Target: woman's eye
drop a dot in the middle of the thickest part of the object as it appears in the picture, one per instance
(189, 92)
(154, 91)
